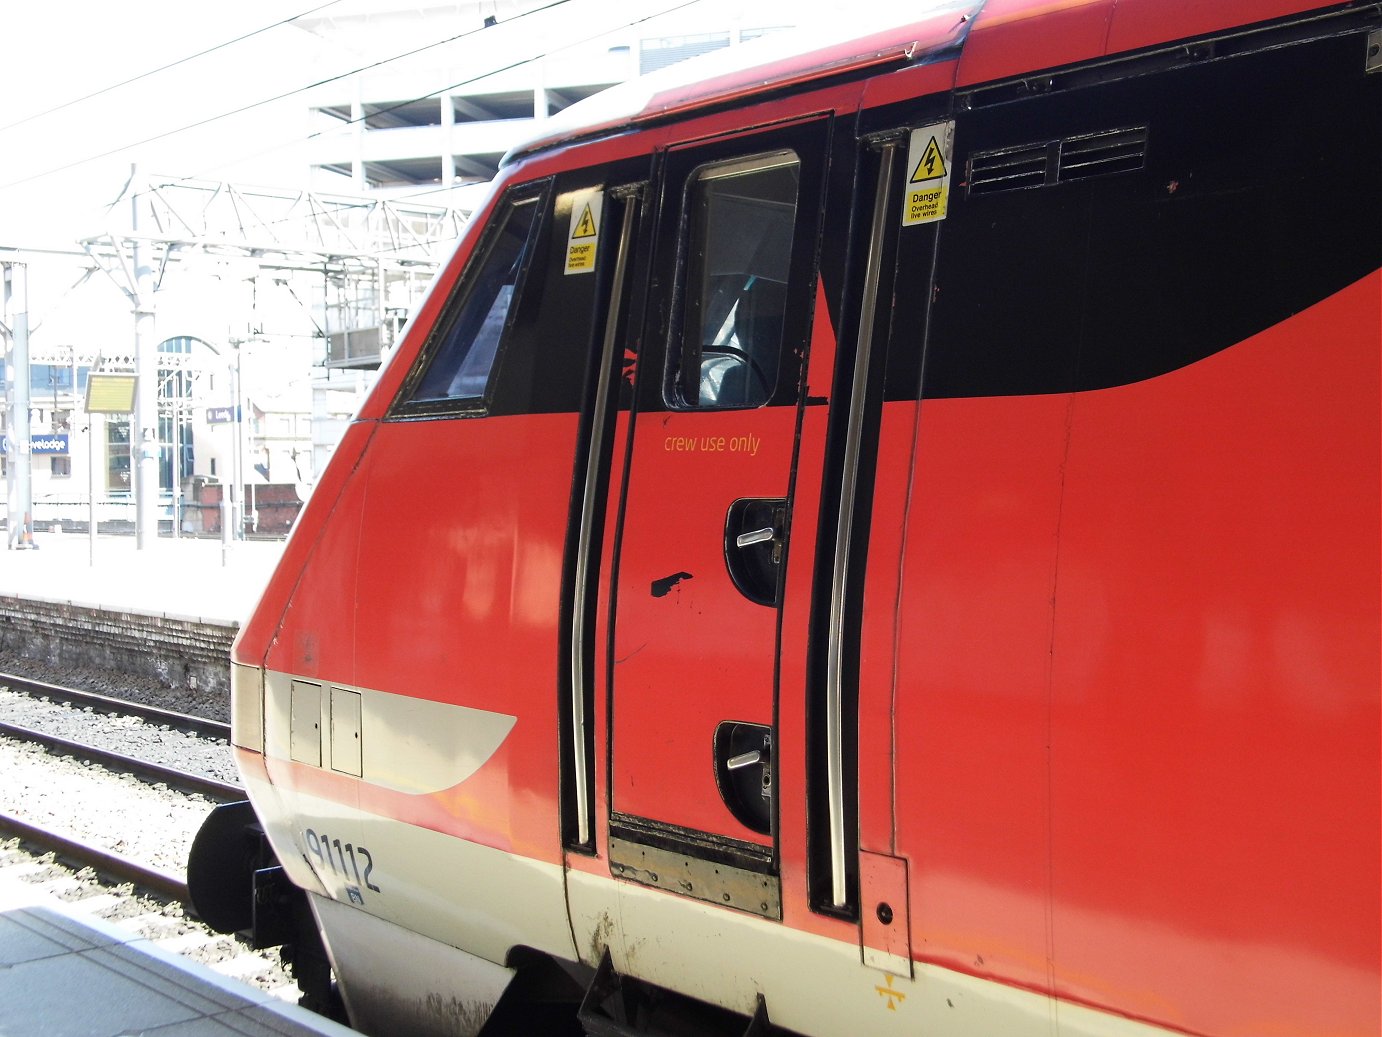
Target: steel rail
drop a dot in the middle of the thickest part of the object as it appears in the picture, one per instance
(106, 704)
(171, 776)
(143, 876)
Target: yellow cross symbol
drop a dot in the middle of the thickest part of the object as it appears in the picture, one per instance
(893, 996)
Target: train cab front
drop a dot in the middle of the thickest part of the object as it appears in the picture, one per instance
(336, 854)
(236, 882)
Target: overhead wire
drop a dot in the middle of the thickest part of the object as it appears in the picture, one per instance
(277, 97)
(164, 68)
(172, 181)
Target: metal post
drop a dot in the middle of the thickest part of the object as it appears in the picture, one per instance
(144, 427)
(19, 482)
(225, 528)
(175, 403)
(93, 422)
(237, 450)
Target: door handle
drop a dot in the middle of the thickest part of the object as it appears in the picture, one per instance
(756, 536)
(743, 755)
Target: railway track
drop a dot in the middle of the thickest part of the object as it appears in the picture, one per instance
(87, 852)
(119, 707)
(173, 777)
(105, 828)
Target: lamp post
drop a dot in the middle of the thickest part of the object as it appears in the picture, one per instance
(19, 476)
(229, 493)
(172, 384)
(144, 424)
(93, 422)
(106, 393)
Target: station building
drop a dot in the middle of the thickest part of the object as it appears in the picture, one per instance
(265, 352)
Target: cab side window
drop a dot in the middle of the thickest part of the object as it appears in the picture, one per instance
(738, 226)
(454, 370)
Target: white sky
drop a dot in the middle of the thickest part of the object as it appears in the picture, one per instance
(53, 189)
(53, 53)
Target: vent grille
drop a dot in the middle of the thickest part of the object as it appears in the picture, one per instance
(1058, 161)
(1010, 169)
(1103, 154)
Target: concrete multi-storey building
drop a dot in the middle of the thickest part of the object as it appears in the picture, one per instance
(444, 118)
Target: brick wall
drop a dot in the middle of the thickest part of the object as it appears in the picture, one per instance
(175, 651)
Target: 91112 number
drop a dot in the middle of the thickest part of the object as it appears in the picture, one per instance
(342, 859)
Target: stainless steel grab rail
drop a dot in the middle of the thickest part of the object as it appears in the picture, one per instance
(599, 418)
(844, 534)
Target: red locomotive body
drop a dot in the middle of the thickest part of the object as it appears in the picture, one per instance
(883, 540)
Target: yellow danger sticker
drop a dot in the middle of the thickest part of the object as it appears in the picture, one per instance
(583, 237)
(929, 157)
(585, 226)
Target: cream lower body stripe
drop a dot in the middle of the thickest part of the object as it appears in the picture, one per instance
(395, 742)
(813, 985)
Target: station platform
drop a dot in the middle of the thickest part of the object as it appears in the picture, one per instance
(198, 579)
(66, 974)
